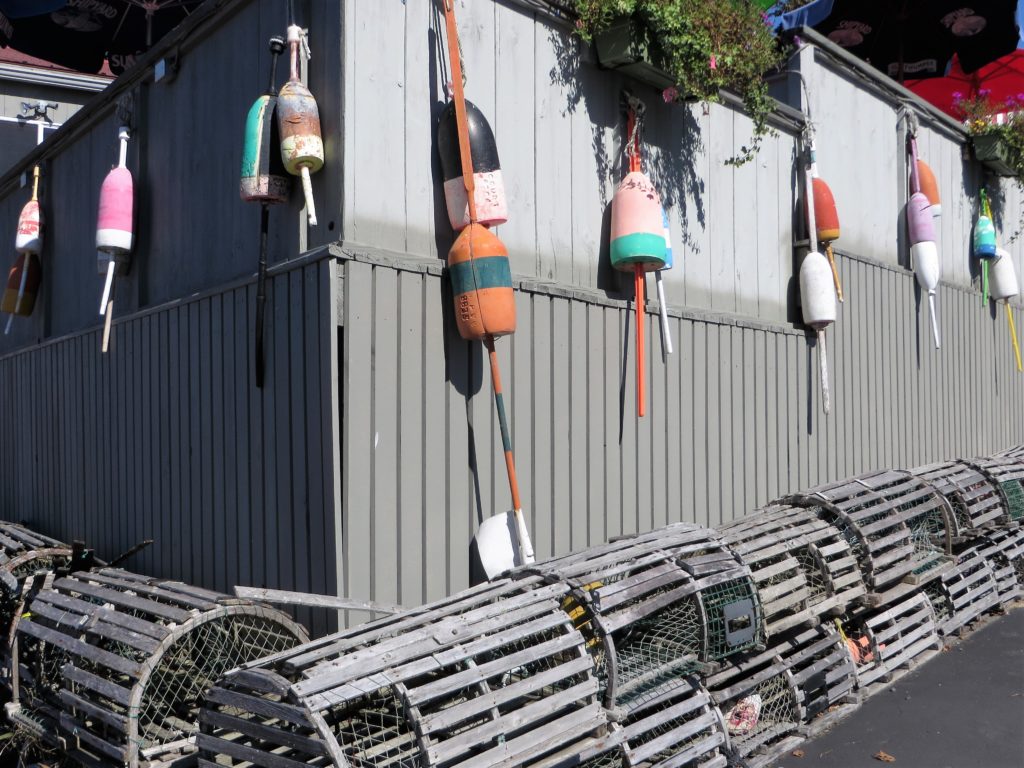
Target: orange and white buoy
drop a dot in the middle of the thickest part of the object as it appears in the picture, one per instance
(826, 217)
(115, 229)
(924, 251)
(817, 289)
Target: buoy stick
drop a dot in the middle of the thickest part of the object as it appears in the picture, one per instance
(261, 292)
(307, 190)
(984, 282)
(666, 332)
(1013, 334)
(108, 286)
(935, 321)
(826, 399)
(106, 322)
(640, 386)
(835, 272)
(525, 545)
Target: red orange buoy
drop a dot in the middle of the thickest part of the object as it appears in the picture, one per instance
(22, 286)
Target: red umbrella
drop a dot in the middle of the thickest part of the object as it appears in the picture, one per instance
(1001, 81)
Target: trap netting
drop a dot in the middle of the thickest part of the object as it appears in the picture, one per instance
(887, 643)
(974, 498)
(892, 522)
(801, 565)
(963, 592)
(771, 699)
(678, 727)
(495, 676)
(113, 663)
(1008, 473)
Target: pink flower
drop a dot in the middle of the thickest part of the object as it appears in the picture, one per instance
(670, 94)
(713, 63)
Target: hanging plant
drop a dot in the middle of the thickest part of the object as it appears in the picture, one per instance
(702, 46)
(997, 136)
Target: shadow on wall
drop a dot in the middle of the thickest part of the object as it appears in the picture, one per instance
(672, 142)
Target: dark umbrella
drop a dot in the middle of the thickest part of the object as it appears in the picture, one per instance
(915, 38)
(81, 34)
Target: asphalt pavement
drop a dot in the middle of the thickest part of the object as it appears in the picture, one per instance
(962, 709)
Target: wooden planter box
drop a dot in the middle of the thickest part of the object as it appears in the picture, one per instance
(625, 46)
(993, 152)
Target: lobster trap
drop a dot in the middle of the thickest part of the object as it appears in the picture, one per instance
(974, 498)
(963, 593)
(678, 727)
(893, 522)
(498, 676)
(1008, 473)
(888, 643)
(657, 607)
(773, 700)
(802, 567)
(1003, 550)
(110, 665)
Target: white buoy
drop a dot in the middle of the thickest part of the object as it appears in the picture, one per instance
(1002, 277)
(925, 256)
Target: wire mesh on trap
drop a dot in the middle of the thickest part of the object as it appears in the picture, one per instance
(776, 716)
(733, 615)
(974, 497)
(119, 660)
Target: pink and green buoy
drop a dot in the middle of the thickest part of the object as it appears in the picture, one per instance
(637, 235)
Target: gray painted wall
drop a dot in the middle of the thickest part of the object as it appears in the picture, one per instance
(375, 453)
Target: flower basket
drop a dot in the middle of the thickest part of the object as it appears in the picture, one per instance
(992, 150)
(625, 46)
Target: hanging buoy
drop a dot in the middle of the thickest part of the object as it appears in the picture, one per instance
(488, 185)
(929, 187)
(984, 242)
(22, 286)
(817, 276)
(637, 234)
(114, 228)
(1004, 287)
(924, 252)
(818, 307)
(264, 178)
(984, 238)
(265, 181)
(666, 331)
(29, 238)
(481, 284)
(637, 227)
(298, 120)
(28, 241)
(826, 217)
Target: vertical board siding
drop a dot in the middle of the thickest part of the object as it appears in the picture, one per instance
(166, 437)
(734, 415)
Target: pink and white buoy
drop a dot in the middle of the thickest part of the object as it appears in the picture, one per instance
(114, 229)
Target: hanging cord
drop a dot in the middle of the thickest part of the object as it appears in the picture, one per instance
(635, 111)
(459, 96)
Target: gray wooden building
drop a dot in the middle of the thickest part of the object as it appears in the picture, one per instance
(367, 461)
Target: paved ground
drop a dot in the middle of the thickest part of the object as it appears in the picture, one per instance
(963, 709)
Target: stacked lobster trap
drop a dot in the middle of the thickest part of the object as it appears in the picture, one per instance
(774, 699)
(678, 647)
(804, 569)
(109, 666)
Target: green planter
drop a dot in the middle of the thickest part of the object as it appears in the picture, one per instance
(624, 46)
(991, 150)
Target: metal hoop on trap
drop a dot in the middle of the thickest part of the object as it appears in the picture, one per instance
(1008, 474)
